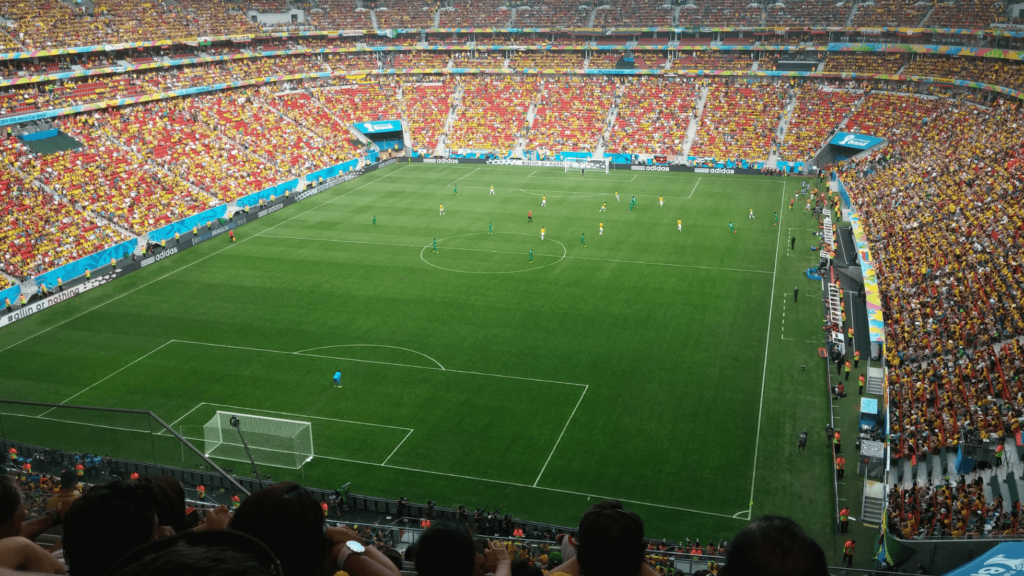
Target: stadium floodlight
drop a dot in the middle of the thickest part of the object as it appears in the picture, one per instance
(272, 441)
(573, 164)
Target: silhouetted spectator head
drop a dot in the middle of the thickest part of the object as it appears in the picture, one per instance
(210, 553)
(12, 507)
(106, 523)
(170, 501)
(290, 522)
(446, 549)
(68, 481)
(774, 546)
(611, 541)
(395, 556)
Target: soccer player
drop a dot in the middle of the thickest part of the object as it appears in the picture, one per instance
(661, 201)
(492, 191)
(679, 224)
(455, 191)
(442, 210)
(791, 200)
(531, 255)
(635, 205)
(435, 244)
(616, 195)
(529, 217)
(731, 227)
(583, 241)
(600, 229)
(808, 207)
(776, 218)
(374, 220)
(583, 170)
(337, 379)
(490, 229)
(751, 216)
(542, 233)
(604, 207)
(543, 201)
(231, 234)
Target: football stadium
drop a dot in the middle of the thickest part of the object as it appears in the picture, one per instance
(523, 287)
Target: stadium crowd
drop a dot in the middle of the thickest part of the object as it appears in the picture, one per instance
(134, 525)
(653, 116)
(945, 224)
(817, 113)
(571, 114)
(724, 135)
(492, 114)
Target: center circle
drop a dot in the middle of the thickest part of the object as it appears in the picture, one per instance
(491, 256)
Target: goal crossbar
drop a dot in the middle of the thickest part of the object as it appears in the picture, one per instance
(272, 441)
(603, 164)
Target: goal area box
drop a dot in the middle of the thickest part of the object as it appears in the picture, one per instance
(272, 441)
(604, 165)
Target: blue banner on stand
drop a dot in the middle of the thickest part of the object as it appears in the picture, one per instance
(857, 141)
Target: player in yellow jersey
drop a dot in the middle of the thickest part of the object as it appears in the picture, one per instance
(543, 201)
(679, 224)
(542, 230)
(600, 229)
(661, 201)
(442, 210)
(616, 195)
(604, 207)
(492, 191)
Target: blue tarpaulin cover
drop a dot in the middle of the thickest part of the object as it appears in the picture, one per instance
(1006, 559)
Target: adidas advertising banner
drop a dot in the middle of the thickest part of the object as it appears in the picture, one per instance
(78, 286)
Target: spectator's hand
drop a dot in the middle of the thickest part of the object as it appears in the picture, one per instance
(62, 509)
(216, 519)
(500, 553)
(342, 534)
(164, 532)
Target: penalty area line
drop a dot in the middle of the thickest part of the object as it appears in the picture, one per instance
(564, 428)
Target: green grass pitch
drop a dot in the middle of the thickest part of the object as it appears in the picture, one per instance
(659, 367)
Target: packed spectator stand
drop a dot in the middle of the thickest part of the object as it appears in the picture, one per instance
(653, 116)
(571, 115)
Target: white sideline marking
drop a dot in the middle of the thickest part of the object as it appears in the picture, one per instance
(377, 362)
(396, 448)
(377, 346)
(768, 339)
(694, 189)
(61, 323)
(453, 183)
(564, 428)
(520, 254)
(87, 388)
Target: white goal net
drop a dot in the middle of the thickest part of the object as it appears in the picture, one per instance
(272, 441)
(579, 164)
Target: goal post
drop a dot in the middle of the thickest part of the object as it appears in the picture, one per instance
(272, 441)
(574, 164)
